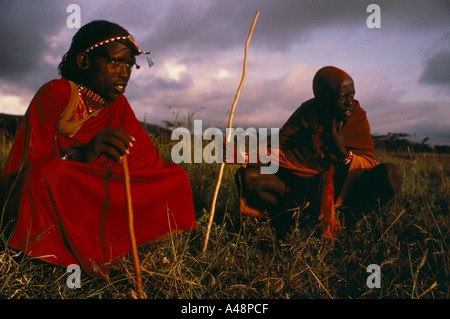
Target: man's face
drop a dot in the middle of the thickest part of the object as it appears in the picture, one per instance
(344, 103)
(108, 76)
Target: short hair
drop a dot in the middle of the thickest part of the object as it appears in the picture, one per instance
(88, 35)
(325, 81)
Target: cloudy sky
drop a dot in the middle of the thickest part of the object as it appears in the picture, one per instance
(401, 70)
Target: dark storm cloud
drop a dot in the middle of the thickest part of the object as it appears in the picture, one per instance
(207, 36)
(190, 27)
(199, 27)
(193, 29)
(437, 69)
(415, 15)
(24, 26)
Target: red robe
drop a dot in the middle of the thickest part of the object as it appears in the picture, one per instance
(303, 151)
(73, 213)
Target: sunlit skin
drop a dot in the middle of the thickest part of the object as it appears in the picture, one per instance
(342, 106)
(108, 77)
(345, 103)
(334, 90)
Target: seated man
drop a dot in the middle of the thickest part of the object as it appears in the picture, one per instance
(65, 199)
(326, 159)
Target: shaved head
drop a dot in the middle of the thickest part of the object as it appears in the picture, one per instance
(327, 80)
(334, 88)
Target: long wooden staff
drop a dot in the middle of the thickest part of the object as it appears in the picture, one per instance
(130, 218)
(230, 121)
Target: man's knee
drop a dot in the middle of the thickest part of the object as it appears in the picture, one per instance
(47, 171)
(381, 182)
(46, 167)
(394, 176)
(248, 178)
(253, 182)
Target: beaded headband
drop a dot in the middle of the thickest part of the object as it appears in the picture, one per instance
(131, 39)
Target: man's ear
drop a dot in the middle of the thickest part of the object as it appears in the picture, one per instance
(83, 61)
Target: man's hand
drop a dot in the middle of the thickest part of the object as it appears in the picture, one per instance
(114, 143)
(337, 134)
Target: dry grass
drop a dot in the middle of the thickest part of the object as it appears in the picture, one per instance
(247, 258)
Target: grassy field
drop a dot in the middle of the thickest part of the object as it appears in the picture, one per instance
(248, 258)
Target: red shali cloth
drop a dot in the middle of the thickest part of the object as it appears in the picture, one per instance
(73, 213)
(304, 139)
(303, 152)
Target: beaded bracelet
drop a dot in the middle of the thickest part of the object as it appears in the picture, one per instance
(242, 155)
(348, 159)
(245, 160)
(66, 157)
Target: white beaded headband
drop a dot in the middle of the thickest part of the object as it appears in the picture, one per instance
(129, 37)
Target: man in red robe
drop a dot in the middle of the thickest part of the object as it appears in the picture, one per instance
(326, 159)
(65, 200)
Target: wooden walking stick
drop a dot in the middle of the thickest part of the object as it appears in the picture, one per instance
(130, 218)
(230, 121)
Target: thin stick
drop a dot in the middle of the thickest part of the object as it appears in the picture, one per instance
(230, 121)
(323, 287)
(129, 203)
(376, 245)
(434, 285)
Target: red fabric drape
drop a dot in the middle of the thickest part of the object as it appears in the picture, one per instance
(69, 212)
(303, 151)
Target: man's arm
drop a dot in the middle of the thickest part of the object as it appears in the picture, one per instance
(113, 143)
(337, 133)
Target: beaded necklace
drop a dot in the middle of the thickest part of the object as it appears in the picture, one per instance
(85, 108)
